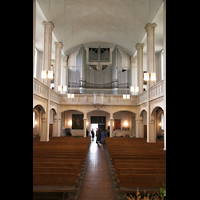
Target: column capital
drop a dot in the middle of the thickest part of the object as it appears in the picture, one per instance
(58, 44)
(139, 46)
(49, 24)
(132, 58)
(150, 26)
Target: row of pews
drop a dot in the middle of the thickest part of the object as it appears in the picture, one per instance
(136, 163)
(58, 167)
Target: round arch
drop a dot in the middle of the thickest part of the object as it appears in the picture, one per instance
(142, 111)
(68, 109)
(157, 114)
(119, 110)
(38, 111)
(96, 110)
(67, 122)
(54, 108)
(156, 105)
(155, 108)
(39, 108)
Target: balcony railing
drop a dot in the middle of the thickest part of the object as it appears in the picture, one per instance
(155, 92)
(90, 96)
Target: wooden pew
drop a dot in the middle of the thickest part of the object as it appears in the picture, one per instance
(59, 183)
(57, 165)
(141, 171)
(54, 179)
(55, 170)
(148, 182)
(137, 163)
(53, 164)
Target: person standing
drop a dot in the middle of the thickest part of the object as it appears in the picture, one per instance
(98, 134)
(103, 135)
(92, 132)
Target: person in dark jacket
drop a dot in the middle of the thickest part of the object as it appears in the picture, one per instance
(92, 132)
(98, 134)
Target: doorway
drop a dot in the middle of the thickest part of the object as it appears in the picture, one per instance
(94, 127)
(100, 121)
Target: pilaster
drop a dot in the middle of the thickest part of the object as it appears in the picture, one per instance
(57, 75)
(111, 126)
(139, 48)
(44, 135)
(150, 29)
(48, 28)
(84, 126)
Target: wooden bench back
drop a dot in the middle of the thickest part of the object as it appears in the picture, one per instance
(54, 179)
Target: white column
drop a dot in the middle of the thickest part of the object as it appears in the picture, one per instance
(111, 126)
(64, 71)
(139, 127)
(44, 135)
(152, 130)
(164, 69)
(48, 28)
(84, 128)
(59, 125)
(55, 126)
(57, 75)
(133, 81)
(139, 48)
(150, 29)
(84, 124)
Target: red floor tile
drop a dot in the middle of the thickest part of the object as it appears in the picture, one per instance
(97, 182)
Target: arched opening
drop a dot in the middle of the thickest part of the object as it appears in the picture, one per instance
(124, 123)
(98, 119)
(144, 123)
(158, 114)
(72, 123)
(38, 111)
(53, 126)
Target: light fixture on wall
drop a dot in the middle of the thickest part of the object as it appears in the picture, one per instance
(70, 95)
(125, 123)
(150, 76)
(47, 74)
(70, 122)
(126, 96)
(134, 89)
(62, 88)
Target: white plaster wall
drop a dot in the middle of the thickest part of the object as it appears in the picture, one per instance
(68, 117)
(124, 116)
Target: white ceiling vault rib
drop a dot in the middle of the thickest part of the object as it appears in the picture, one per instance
(99, 22)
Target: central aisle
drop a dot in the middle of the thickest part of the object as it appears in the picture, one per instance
(97, 182)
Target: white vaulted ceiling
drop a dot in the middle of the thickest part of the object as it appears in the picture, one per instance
(99, 22)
